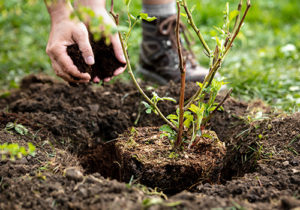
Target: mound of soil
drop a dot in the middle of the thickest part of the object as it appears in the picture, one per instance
(104, 56)
(70, 127)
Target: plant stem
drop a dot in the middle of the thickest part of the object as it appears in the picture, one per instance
(182, 74)
(219, 105)
(237, 19)
(197, 30)
(116, 17)
(219, 61)
(238, 28)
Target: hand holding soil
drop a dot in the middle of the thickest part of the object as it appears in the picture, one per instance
(71, 32)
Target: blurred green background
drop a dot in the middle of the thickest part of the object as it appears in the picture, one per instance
(264, 62)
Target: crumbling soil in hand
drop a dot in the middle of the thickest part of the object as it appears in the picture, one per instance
(105, 60)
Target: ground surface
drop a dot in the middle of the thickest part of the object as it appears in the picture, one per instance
(69, 124)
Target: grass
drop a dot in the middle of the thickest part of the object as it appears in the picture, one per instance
(264, 62)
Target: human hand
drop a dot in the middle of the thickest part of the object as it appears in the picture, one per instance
(64, 33)
(114, 39)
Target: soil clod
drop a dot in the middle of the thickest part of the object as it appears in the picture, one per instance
(105, 60)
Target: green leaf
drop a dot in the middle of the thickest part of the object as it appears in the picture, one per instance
(151, 201)
(23, 151)
(207, 136)
(146, 105)
(172, 117)
(148, 111)
(20, 129)
(127, 2)
(169, 99)
(183, 14)
(31, 149)
(166, 128)
(144, 16)
(233, 14)
(10, 125)
(194, 109)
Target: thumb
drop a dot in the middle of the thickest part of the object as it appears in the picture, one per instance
(83, 42)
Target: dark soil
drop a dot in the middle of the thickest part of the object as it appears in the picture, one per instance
(69, 126)
(105, 61)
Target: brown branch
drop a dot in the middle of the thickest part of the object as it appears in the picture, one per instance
(116, 18)
(237, 19)
(196, 29)
(219, 61)
(238, 28)
(182, 74)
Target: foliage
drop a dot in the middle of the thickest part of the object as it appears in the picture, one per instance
(14, 151)
(24, 28)
(20, 129)
(155, 99)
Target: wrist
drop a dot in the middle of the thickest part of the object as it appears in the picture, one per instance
(60, 11)
(92, 4)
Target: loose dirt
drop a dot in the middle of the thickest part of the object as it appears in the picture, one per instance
(104, 56)
(70, 127)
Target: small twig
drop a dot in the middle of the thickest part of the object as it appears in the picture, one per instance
(196, 29)
(218, 106)
(222, 102)
(238, 28)
(116, 18)
(182, 74)
(237, 19)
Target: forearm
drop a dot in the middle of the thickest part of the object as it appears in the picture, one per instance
(59, 9)
(95, 5)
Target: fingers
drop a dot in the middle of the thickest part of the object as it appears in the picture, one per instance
(96, 80)
(107, 79)
(118, 48)
(81, 37)
(61, 73)
(119, 71)
(59, 56)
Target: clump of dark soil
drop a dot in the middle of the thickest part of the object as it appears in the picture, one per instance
(105, 61)
(71, 126)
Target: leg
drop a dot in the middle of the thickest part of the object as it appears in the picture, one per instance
(158, 57)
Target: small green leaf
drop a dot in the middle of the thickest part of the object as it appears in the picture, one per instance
(20, 129)
(146, 105)
(127, 2)
(148, 111)
(194, 108)
(31, 149)
(169, 99)
(172, 117)
(183, 14)
(233, 14)
(144, 16)
(10, 125)
(151, 201)
(207, 136)
(166, 128)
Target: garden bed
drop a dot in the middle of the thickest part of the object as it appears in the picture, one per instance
(77, 127)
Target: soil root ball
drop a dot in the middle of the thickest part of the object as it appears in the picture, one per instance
(150, 159)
